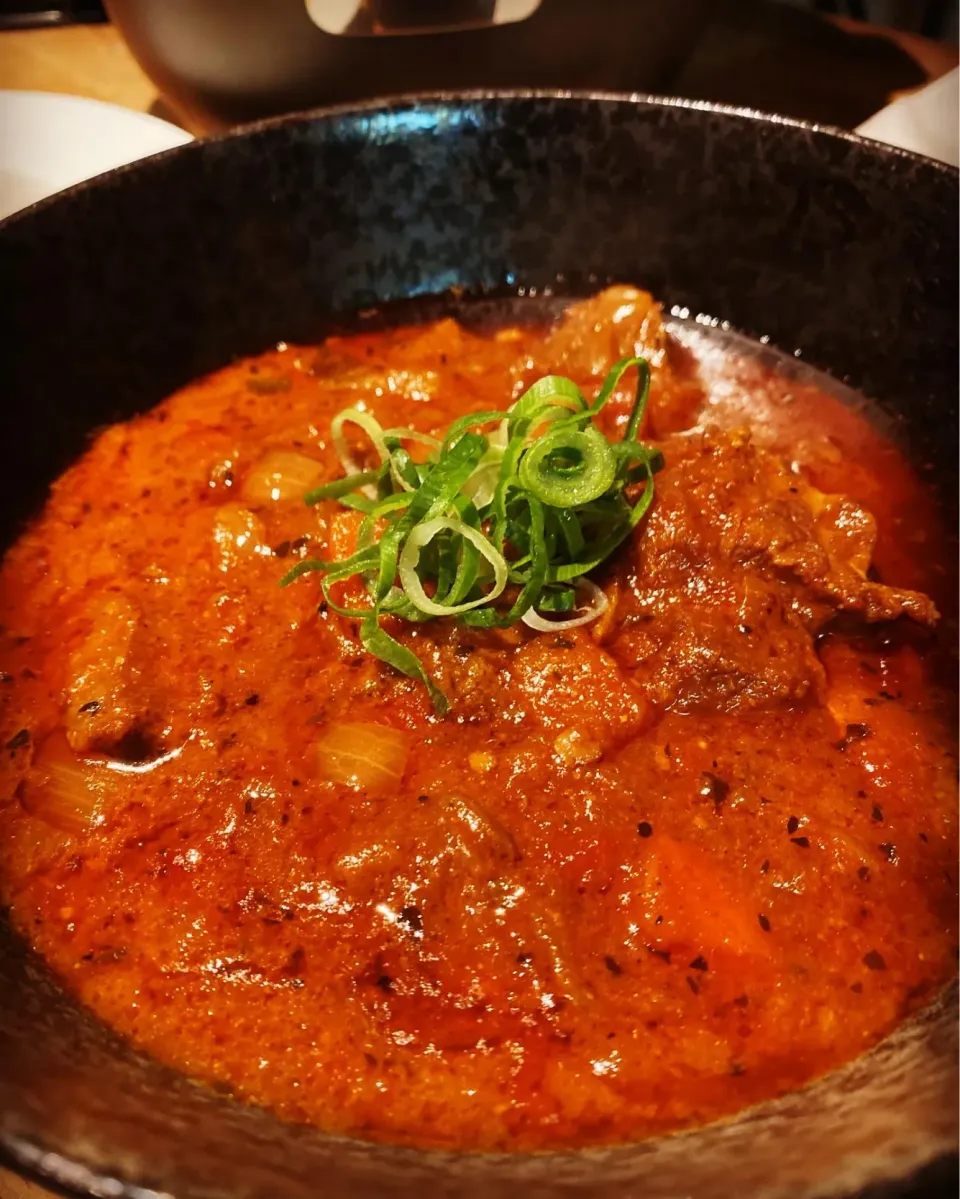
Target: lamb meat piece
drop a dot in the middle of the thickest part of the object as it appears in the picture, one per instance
(739, 566)
(824, 542)
(616, 323)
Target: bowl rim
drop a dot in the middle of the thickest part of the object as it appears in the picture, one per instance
(452, 97)
(69, 1176)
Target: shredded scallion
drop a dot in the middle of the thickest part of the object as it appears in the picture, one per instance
(490, 527)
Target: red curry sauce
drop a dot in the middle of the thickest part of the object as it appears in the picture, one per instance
(647, 871)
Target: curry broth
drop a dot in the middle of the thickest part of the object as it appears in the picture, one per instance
(647, 872)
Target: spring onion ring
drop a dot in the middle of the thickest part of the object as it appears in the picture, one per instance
(419, 538)
(595, 606)
(371, 427)
(490, 528)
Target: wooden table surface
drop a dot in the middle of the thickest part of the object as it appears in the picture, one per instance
(92, 60)
(79, 60)
(12, 1187)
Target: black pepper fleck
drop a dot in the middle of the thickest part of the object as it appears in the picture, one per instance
(645, 828)
(699, 963)
(876, 813)
(863, 874)
(252, 700)
(874, 961)
(693, 985)
(612, 965)
(384, 982)
(91, 706)
(411, 918)
(423, 798)
(803, 842)
(714, 788)
(764, 865)
(18, 740)
(764, 922)
(854, 732)
(662, 954)
(793, 824)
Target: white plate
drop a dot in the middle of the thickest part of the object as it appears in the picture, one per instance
(49, 142)
(926, 122)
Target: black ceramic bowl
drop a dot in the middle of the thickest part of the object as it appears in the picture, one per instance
(127, 287)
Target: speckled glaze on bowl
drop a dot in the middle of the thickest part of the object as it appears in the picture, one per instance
(125, 288)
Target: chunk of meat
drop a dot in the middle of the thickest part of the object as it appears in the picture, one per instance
(105, 691)
(610, 325)
(895, 741)
(468, 882)
(702, 905)
(739, 566)
(616, 323)
(570, 683)
(425, 365)
(485, 845)
(119, 684)
(825, 542)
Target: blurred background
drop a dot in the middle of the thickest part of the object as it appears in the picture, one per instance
(212, 63)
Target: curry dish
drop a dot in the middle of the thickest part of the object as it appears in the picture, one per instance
(646, 870)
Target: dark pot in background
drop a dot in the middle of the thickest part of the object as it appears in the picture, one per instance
(129, 286)
(220, 62)
(226, 61)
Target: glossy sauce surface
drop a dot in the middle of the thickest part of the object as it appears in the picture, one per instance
(647, 872)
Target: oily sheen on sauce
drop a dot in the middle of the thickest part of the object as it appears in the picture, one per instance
(646, 872)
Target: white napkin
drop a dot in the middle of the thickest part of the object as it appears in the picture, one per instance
(927, 122)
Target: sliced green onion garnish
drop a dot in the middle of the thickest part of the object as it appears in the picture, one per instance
(418, 538)
(489, 528)
(341, 487)
(568, 467)
(370, 426)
